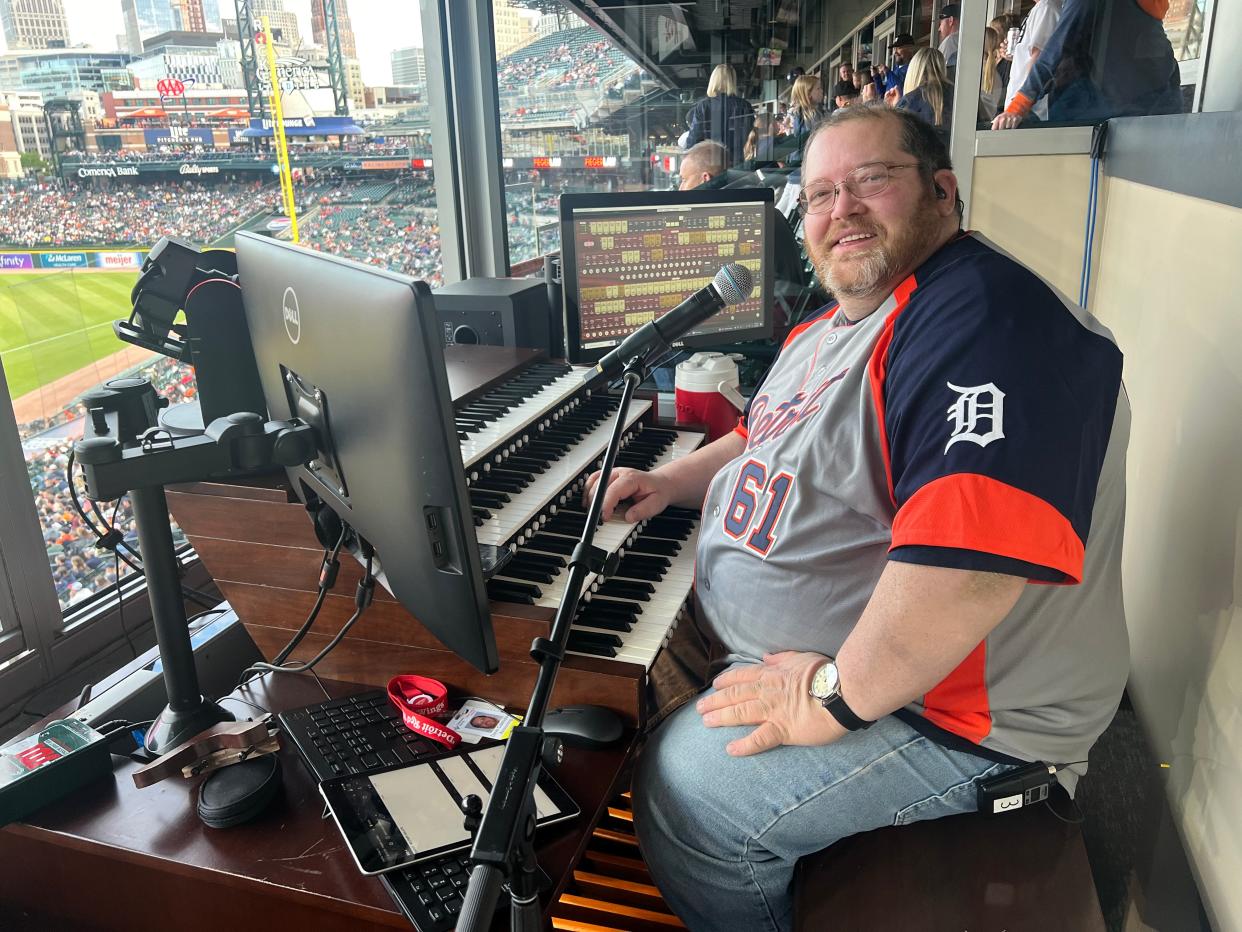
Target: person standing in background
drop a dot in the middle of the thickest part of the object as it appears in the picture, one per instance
(723, 115)
(989, 80)
(949, 24)
(1032, 39)
(1103, 60)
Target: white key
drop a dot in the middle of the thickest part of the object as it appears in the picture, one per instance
(514, 516)
(518, 418)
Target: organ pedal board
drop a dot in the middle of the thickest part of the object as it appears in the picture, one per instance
(610, 889)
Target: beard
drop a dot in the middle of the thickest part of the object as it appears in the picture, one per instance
(865, 273)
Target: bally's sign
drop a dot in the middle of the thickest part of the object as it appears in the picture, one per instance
(108, 171)
(188, 168)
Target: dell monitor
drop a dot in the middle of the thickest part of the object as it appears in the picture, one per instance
(631, 257)
(356, 352)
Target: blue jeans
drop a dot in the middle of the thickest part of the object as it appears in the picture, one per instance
(722, 835)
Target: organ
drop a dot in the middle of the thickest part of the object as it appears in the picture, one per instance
(529, 436)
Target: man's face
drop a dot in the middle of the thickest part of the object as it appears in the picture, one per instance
(861, 244)
(948, 26)
(903, 54)
(847, 72)
(691, 175)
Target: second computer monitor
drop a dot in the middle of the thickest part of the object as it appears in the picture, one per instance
(628, 258)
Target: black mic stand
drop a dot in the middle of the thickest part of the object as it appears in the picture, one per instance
(125, 452)
(505, 844)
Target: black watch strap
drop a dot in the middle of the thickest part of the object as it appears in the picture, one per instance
(837, 707)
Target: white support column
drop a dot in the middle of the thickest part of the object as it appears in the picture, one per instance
(966, 97)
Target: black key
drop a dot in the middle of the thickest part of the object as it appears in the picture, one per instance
(586, 646)
(627, 589)
(370, 761)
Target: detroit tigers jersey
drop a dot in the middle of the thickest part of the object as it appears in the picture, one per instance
(975, 420)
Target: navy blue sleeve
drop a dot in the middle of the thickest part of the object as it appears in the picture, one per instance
(998, 405)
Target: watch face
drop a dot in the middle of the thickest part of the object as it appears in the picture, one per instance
(825, 682)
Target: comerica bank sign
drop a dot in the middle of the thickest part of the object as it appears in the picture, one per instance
(107, 171)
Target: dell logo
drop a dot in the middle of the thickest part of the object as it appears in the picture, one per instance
(292, 315)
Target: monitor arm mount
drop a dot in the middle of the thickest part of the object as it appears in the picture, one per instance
(124, 451)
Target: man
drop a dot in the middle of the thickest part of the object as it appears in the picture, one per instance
(948, 26)
(903, 53)
(1032, 39)
(702, 162)
(921, 451)
(845, 75)
(1101, 61)
(845, 94)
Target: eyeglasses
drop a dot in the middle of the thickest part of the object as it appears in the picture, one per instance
(864, 181)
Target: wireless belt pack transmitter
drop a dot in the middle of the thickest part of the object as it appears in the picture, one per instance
(1017, 788)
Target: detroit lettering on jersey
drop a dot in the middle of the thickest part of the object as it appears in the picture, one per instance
(974, 421)
(765, 425)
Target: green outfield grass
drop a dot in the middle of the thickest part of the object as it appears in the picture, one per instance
(52, 324)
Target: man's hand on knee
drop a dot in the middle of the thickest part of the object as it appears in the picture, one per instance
(776, 696)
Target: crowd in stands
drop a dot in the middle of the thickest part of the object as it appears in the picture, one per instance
(79, 568)
(189, 153)
(405, 241)
(568, 60)
(125, 214)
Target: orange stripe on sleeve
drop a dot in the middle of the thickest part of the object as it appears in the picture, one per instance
(1020, 105)
(959, 702)
(973, 512)
(742, 428)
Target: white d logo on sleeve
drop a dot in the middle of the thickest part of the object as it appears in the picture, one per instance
(976, 406)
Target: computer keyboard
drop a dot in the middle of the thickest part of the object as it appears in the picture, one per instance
(363, 733)
(355, 735)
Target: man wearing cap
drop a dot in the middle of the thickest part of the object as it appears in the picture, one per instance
(950, 14)
(903, 51)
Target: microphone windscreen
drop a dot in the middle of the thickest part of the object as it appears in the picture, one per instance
(734, 283)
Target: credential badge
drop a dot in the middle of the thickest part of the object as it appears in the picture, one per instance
(976, 406)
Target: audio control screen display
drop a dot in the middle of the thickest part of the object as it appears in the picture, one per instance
(634, 264)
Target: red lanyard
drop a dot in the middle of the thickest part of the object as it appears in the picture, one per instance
(421, 700)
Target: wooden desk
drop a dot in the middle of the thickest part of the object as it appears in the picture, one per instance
(116, 857)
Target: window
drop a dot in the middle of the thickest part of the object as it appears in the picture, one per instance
(1074, 64)
(585, 109)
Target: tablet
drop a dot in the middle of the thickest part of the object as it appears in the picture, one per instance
(412, 813)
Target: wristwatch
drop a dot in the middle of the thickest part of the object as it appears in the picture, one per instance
(826, 687)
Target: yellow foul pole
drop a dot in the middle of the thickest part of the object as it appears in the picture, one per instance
(278, 124)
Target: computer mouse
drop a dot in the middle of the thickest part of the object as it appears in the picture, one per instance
(584, 726)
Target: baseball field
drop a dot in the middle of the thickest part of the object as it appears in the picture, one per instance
(55, 324)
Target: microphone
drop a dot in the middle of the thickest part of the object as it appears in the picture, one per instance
(732, 285)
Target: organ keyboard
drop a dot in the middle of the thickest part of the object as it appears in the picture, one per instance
(526, 492)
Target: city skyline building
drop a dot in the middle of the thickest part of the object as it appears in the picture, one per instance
(34, 24)
(409, 66)
(57, 72)
(319, 27)
(190, 13)
(147, 18)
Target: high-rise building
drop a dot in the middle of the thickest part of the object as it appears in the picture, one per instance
(147, 18)
(34, 24)
(513, 28)
(409, 67)
(284, 22)
(211, 15)
(191, 11)
(56, 72)
(319, 27)
(354, 88)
